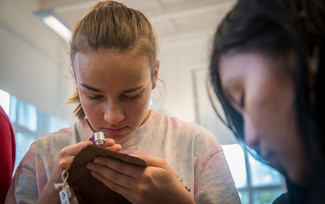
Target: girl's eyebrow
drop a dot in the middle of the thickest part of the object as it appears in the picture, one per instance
(125, 91)
(90, 88)
(133, 89)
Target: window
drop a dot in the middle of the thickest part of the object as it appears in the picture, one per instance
(28, 123)
(4, 101)
(256, 182)
(23, 141)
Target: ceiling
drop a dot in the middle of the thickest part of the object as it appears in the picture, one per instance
(170, 18)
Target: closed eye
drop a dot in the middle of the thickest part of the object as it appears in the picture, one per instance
(93, 97)
(134, 95)
(237, 101)
(90, 92)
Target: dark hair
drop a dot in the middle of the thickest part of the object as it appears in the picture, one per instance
(112, 25)
(277, 28)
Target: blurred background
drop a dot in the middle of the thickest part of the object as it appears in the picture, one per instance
(35, 78)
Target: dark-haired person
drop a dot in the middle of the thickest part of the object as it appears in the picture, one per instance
(267, 70)
(113, 53)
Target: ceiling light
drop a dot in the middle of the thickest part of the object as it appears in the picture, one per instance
(52, 21)
(58, 27)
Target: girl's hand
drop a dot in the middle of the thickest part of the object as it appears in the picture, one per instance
(68, 153)
(156, 183)
(63, 162)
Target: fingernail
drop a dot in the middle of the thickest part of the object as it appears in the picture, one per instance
(118, 147)
(89, 166)
(110, 141)
(96, 160)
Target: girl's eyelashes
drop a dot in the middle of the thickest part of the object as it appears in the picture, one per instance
(133, 97)
(92, 97)
(237, 101)
(125, 96)
(89, 95)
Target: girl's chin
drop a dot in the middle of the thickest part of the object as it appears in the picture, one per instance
(299, 177)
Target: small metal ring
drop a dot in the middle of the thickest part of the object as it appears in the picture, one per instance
(99, 138)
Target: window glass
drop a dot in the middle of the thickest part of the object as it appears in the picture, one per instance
(5, 101)
(13, 109)
(244, 197)
(27, 116)
(263, 175)
(235, 158)
(23, 141)
(28, 122)
(266, 196)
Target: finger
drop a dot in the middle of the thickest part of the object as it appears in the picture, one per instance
(111, 145)
(116, 147)
(108, 142)
(113, 186)
(120, 166)
(74, 149)
(67, 154)
(111, 175)
(65, 162)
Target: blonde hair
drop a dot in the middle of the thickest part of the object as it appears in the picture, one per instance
(112, 25)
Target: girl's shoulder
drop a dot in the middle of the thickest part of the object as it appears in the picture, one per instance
(179, 128)
(61, 138)
(172, 122)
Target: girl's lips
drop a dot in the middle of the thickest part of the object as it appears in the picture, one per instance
(118, 131)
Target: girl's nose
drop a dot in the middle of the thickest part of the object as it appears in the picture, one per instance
(113, 113)
(250, 134)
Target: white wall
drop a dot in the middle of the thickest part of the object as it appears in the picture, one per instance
(178, 59)
(184, 67)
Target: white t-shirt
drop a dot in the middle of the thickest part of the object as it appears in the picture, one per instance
(192, 151)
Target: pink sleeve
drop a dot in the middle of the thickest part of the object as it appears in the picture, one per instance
(215, 183)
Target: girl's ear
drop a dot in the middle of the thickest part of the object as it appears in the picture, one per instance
(155, 74)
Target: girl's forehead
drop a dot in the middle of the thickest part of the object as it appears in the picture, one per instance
(110, 65)
(108, 58)
(132, 54)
